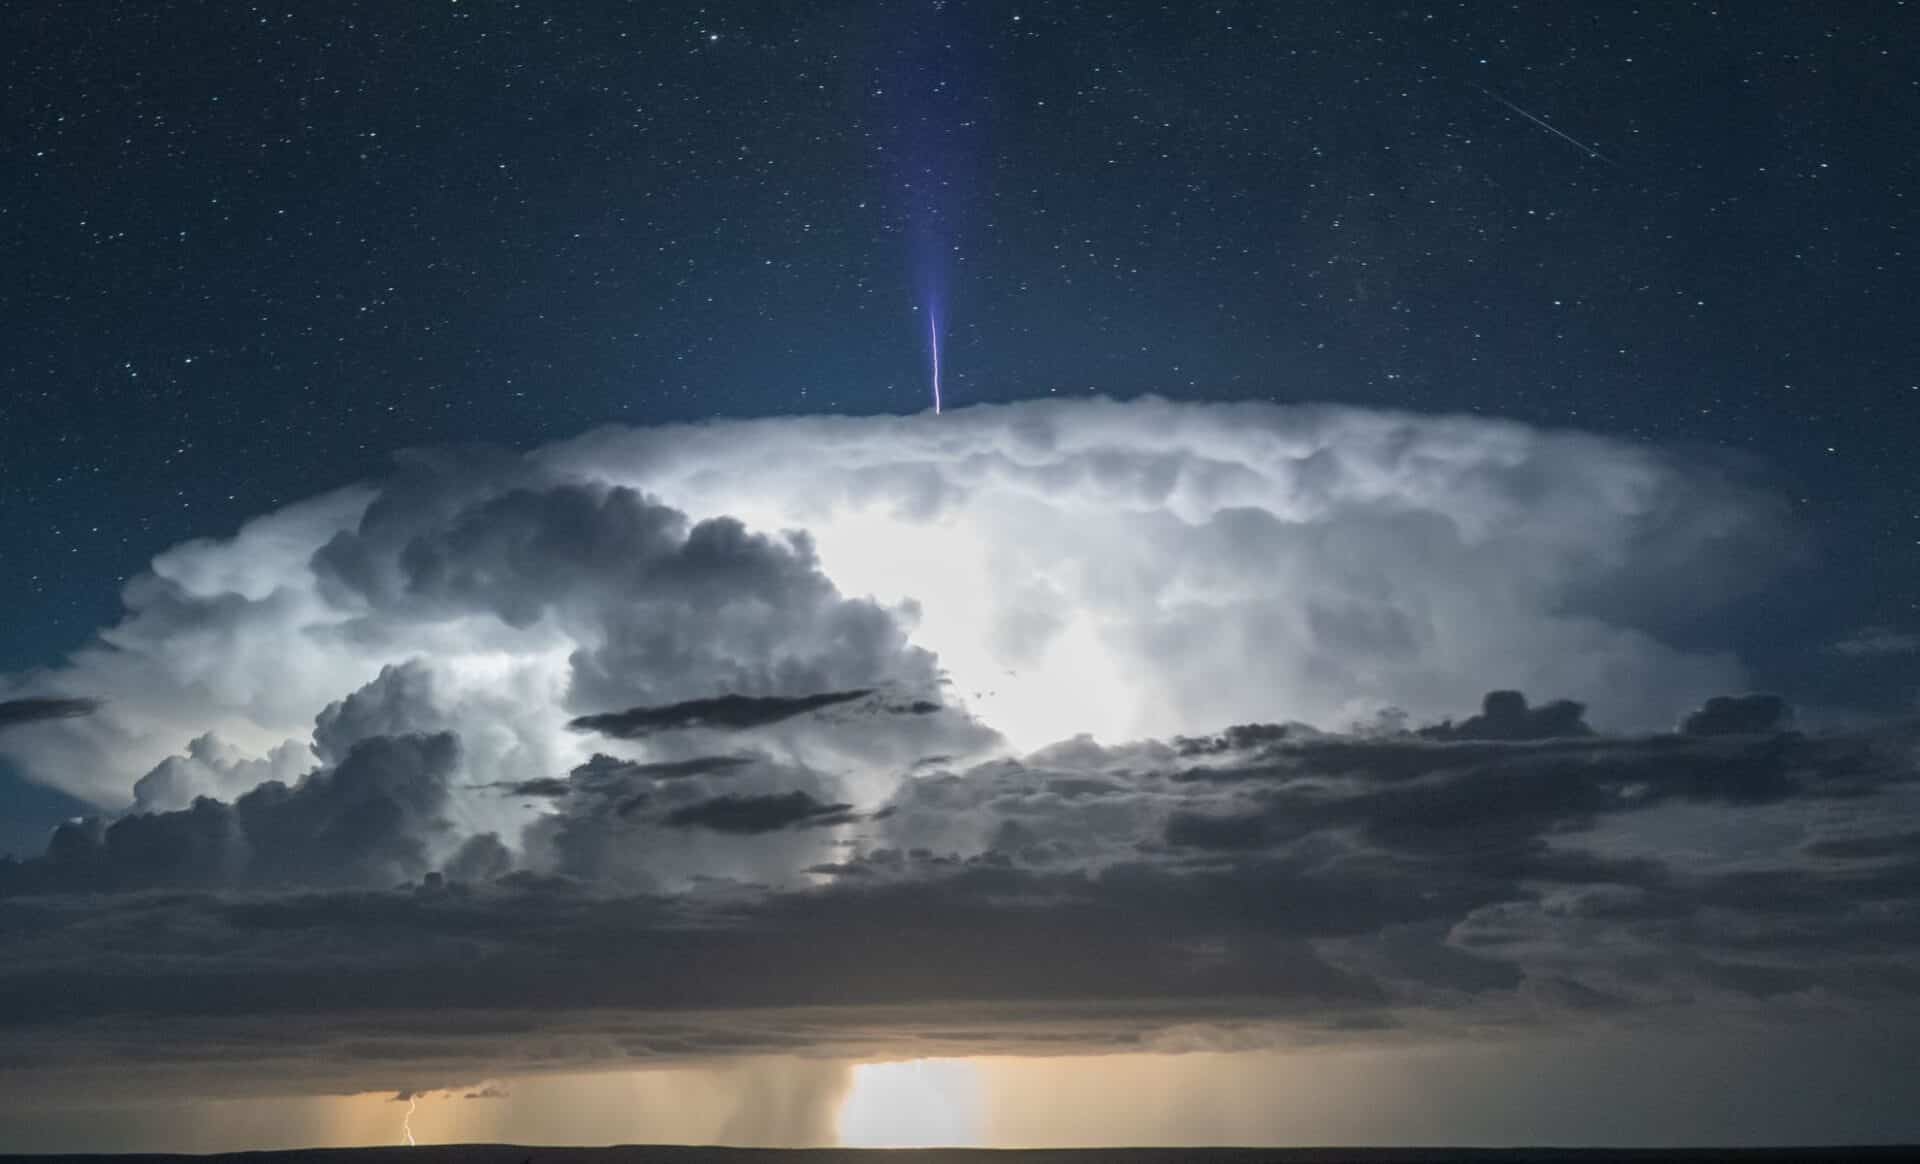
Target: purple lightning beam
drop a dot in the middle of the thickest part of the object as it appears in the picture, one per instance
(933, 332)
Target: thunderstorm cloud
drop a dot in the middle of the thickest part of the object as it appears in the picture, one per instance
(1097, 725)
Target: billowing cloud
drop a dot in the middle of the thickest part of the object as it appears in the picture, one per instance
(585, 754)
(1141, 569)
(1728, 715)
(1101, 567)
(369, 821)
(1505, 715)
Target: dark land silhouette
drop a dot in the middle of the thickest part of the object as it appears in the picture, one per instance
(644, 1154)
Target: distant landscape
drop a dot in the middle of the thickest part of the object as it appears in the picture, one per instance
(654, 1154)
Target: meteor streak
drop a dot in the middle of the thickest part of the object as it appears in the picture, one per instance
(1583, 147)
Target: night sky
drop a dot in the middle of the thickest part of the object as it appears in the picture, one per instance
(1612, 309)
(251, 251)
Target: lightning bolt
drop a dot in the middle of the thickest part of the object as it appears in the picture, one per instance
(933, 333)
(406, 1121)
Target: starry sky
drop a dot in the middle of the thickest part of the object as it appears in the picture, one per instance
(252, 252)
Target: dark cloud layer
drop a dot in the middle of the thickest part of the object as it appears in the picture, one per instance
(1487, 872)
(734, 813)
(724, 712)
(603, 775)
(14, 712)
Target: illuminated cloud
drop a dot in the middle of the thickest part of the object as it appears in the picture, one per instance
(1139, 569)
(618, 741)
(1100, 566)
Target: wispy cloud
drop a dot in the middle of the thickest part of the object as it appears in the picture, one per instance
(1875, 641)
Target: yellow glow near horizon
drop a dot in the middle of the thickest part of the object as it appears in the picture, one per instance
(918, 1103)
(1388, 1094)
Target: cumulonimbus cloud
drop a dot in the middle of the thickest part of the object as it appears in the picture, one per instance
(1124, 569)
(954, 692)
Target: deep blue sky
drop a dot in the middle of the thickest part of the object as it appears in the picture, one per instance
(250, 251)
